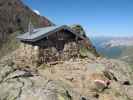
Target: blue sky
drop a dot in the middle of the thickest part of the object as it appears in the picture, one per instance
(98, 17)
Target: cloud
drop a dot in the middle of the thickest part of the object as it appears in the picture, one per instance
(37, 12)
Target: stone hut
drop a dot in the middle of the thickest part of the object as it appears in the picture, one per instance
(51, 44)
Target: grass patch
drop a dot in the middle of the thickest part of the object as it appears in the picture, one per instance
(83, 52)
(10, 45)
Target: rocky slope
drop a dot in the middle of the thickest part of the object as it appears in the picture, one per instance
(15, 16)
(79, 79)
(92, 78)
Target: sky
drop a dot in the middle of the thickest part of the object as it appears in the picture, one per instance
(98, 17)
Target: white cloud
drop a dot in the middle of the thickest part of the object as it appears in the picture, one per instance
(37, 12)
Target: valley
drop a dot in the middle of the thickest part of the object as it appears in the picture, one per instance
(118, 48)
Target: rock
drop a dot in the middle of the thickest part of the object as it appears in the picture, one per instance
(106, 97)
(109, 75)
(121, 71)
(85, 79)
(22, 87)
(129, 92)
(97, 82)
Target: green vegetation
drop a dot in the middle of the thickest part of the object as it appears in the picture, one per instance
(83, 52)
(10, 45)
(127, 54)
(79, 29)
(87, 52)
(34, 21)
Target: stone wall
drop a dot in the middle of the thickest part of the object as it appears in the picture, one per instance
(51, 54)
(27, 55)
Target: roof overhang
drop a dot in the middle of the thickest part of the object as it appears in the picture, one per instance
(41, 33)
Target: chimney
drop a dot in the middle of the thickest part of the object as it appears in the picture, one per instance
(30, 28)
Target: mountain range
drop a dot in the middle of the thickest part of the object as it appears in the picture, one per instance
(115, 47)
(119, 41)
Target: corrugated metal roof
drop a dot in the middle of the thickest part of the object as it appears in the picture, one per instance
(36, 33)
(40, 33)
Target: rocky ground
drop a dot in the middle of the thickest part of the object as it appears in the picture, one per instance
(81, 79)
